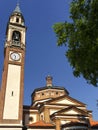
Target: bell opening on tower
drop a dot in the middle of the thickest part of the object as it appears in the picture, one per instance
(16, 38)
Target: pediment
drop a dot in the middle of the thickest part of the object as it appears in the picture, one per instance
(66, 100)
(72, 110)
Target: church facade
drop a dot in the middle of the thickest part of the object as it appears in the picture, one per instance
(51, 106)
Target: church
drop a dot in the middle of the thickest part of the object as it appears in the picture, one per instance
(51, 107)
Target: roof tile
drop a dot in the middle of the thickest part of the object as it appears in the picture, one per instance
(93, 123)
(41, 123)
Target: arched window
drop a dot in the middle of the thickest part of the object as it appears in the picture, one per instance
(16, 37)
(31, 119)
(17, 20)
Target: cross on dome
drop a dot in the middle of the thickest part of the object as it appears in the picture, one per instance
(49, 81)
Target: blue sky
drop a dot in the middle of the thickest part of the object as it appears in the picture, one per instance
(43, 57)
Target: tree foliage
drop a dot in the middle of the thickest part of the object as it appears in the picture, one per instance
(80, 36)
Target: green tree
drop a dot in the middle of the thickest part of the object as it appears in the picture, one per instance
(80, 36)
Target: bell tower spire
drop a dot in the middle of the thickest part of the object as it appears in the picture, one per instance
(15, 32)
(17, 9)
(11, 107)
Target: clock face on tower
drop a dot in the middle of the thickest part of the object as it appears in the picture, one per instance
(15, 56)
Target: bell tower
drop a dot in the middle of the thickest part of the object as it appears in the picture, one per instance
(12, 87)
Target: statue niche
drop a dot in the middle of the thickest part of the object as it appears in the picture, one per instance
(16, 38)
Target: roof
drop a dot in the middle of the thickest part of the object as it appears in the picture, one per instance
(72, 108)
(17, 12)
(67, 112)
(41, 124)
(66, 97)
(72, 123)
(93, 123)
(49, 87)
(17, 9)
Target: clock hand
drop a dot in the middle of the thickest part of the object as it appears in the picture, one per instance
(14, 56)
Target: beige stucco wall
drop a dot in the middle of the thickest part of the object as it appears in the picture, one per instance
(10, 128)
(72, 112)
(65, 101)
(11, 106)
(53, 111)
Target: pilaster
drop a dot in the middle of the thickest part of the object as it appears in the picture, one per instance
(57, 121)
(46, 115)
